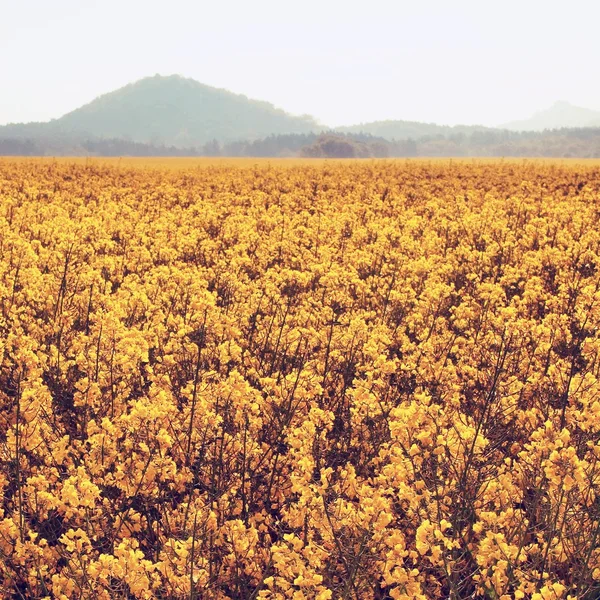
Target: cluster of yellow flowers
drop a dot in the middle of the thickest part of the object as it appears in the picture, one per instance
(348, 380)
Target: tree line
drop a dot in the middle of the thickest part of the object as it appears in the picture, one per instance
(561, 143)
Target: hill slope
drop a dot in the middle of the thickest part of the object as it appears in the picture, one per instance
(169, 110)
(559, 115)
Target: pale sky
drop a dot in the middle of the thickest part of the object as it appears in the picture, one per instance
(342, 61)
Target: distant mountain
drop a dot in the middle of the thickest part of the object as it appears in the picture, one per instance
(404, 130)
(173, 115)
(168, 110)
(559, 115)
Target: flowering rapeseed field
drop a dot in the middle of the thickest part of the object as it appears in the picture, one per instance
(346, 380)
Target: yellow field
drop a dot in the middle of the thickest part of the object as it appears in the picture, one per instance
(187, 163)
(299, 379)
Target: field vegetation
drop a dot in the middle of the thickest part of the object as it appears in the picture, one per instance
(360, 380)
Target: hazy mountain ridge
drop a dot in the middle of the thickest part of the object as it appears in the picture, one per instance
(560, 115)
(175, 115)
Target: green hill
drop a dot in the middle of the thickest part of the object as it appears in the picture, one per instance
(169, 110)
